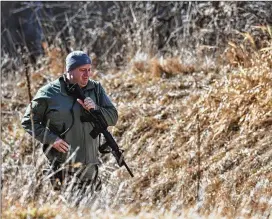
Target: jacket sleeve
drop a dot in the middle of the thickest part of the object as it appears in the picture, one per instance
(106, 107)
(41, 132)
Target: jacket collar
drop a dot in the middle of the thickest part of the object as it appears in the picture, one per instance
(63, 91)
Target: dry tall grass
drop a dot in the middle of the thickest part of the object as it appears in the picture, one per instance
(168, 108)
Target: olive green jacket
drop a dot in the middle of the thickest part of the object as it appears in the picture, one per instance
(52, 111)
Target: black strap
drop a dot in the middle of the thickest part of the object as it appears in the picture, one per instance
(73, 120)
(104, 149)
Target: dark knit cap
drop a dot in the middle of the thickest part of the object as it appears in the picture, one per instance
(76, 59)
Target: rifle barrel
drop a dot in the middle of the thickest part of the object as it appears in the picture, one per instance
(131, 174)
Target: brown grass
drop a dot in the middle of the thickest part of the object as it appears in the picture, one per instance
(157, 127)
(56, 59)
(164, 67)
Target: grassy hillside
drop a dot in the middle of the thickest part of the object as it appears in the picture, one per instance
(196, 132)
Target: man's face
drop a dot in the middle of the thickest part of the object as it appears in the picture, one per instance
(81, 75)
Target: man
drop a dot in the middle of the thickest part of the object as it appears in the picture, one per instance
(58, 123)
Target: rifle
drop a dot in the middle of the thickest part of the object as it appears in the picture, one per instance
(100, 125)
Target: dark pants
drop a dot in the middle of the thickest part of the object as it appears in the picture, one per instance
(63, 178)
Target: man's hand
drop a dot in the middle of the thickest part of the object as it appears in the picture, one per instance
(61, 145)
(88, 103)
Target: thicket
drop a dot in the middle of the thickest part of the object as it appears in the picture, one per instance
(114, 32)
